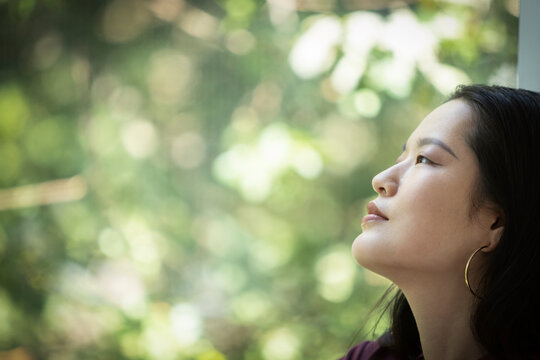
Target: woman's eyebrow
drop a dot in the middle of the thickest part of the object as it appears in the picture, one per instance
(424, 141)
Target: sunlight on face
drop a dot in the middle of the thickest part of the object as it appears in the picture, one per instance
(426, 198)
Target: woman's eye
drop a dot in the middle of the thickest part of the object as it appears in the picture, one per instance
(419, 159)
(422, 159)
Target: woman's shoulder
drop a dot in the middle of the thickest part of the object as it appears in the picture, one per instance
(364, 351)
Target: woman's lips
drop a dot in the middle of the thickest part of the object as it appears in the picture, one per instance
(373, 209)
(372, 217)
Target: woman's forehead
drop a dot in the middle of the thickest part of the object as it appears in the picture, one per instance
(447, 123)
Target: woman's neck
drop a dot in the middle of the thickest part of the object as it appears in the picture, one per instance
(442, 310)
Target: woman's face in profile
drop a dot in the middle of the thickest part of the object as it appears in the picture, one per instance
(426, 197)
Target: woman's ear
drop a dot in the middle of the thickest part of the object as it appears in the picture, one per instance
(497, 223)
(495, 233)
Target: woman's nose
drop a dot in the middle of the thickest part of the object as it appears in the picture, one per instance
(384, 183)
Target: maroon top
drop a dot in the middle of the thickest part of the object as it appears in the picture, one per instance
(366, 349)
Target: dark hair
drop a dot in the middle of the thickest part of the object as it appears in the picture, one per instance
(505, 137)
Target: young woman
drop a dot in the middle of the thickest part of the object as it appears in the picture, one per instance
(456, 227)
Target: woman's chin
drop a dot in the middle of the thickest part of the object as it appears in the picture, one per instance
(363, 251)
(370, 253)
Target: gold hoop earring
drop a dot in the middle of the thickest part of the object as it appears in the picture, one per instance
(467, 270)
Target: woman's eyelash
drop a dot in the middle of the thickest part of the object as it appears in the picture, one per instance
(420, 157)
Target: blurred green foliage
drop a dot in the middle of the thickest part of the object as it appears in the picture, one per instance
(183, 179)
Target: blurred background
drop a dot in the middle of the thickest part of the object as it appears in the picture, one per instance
(183, 179)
